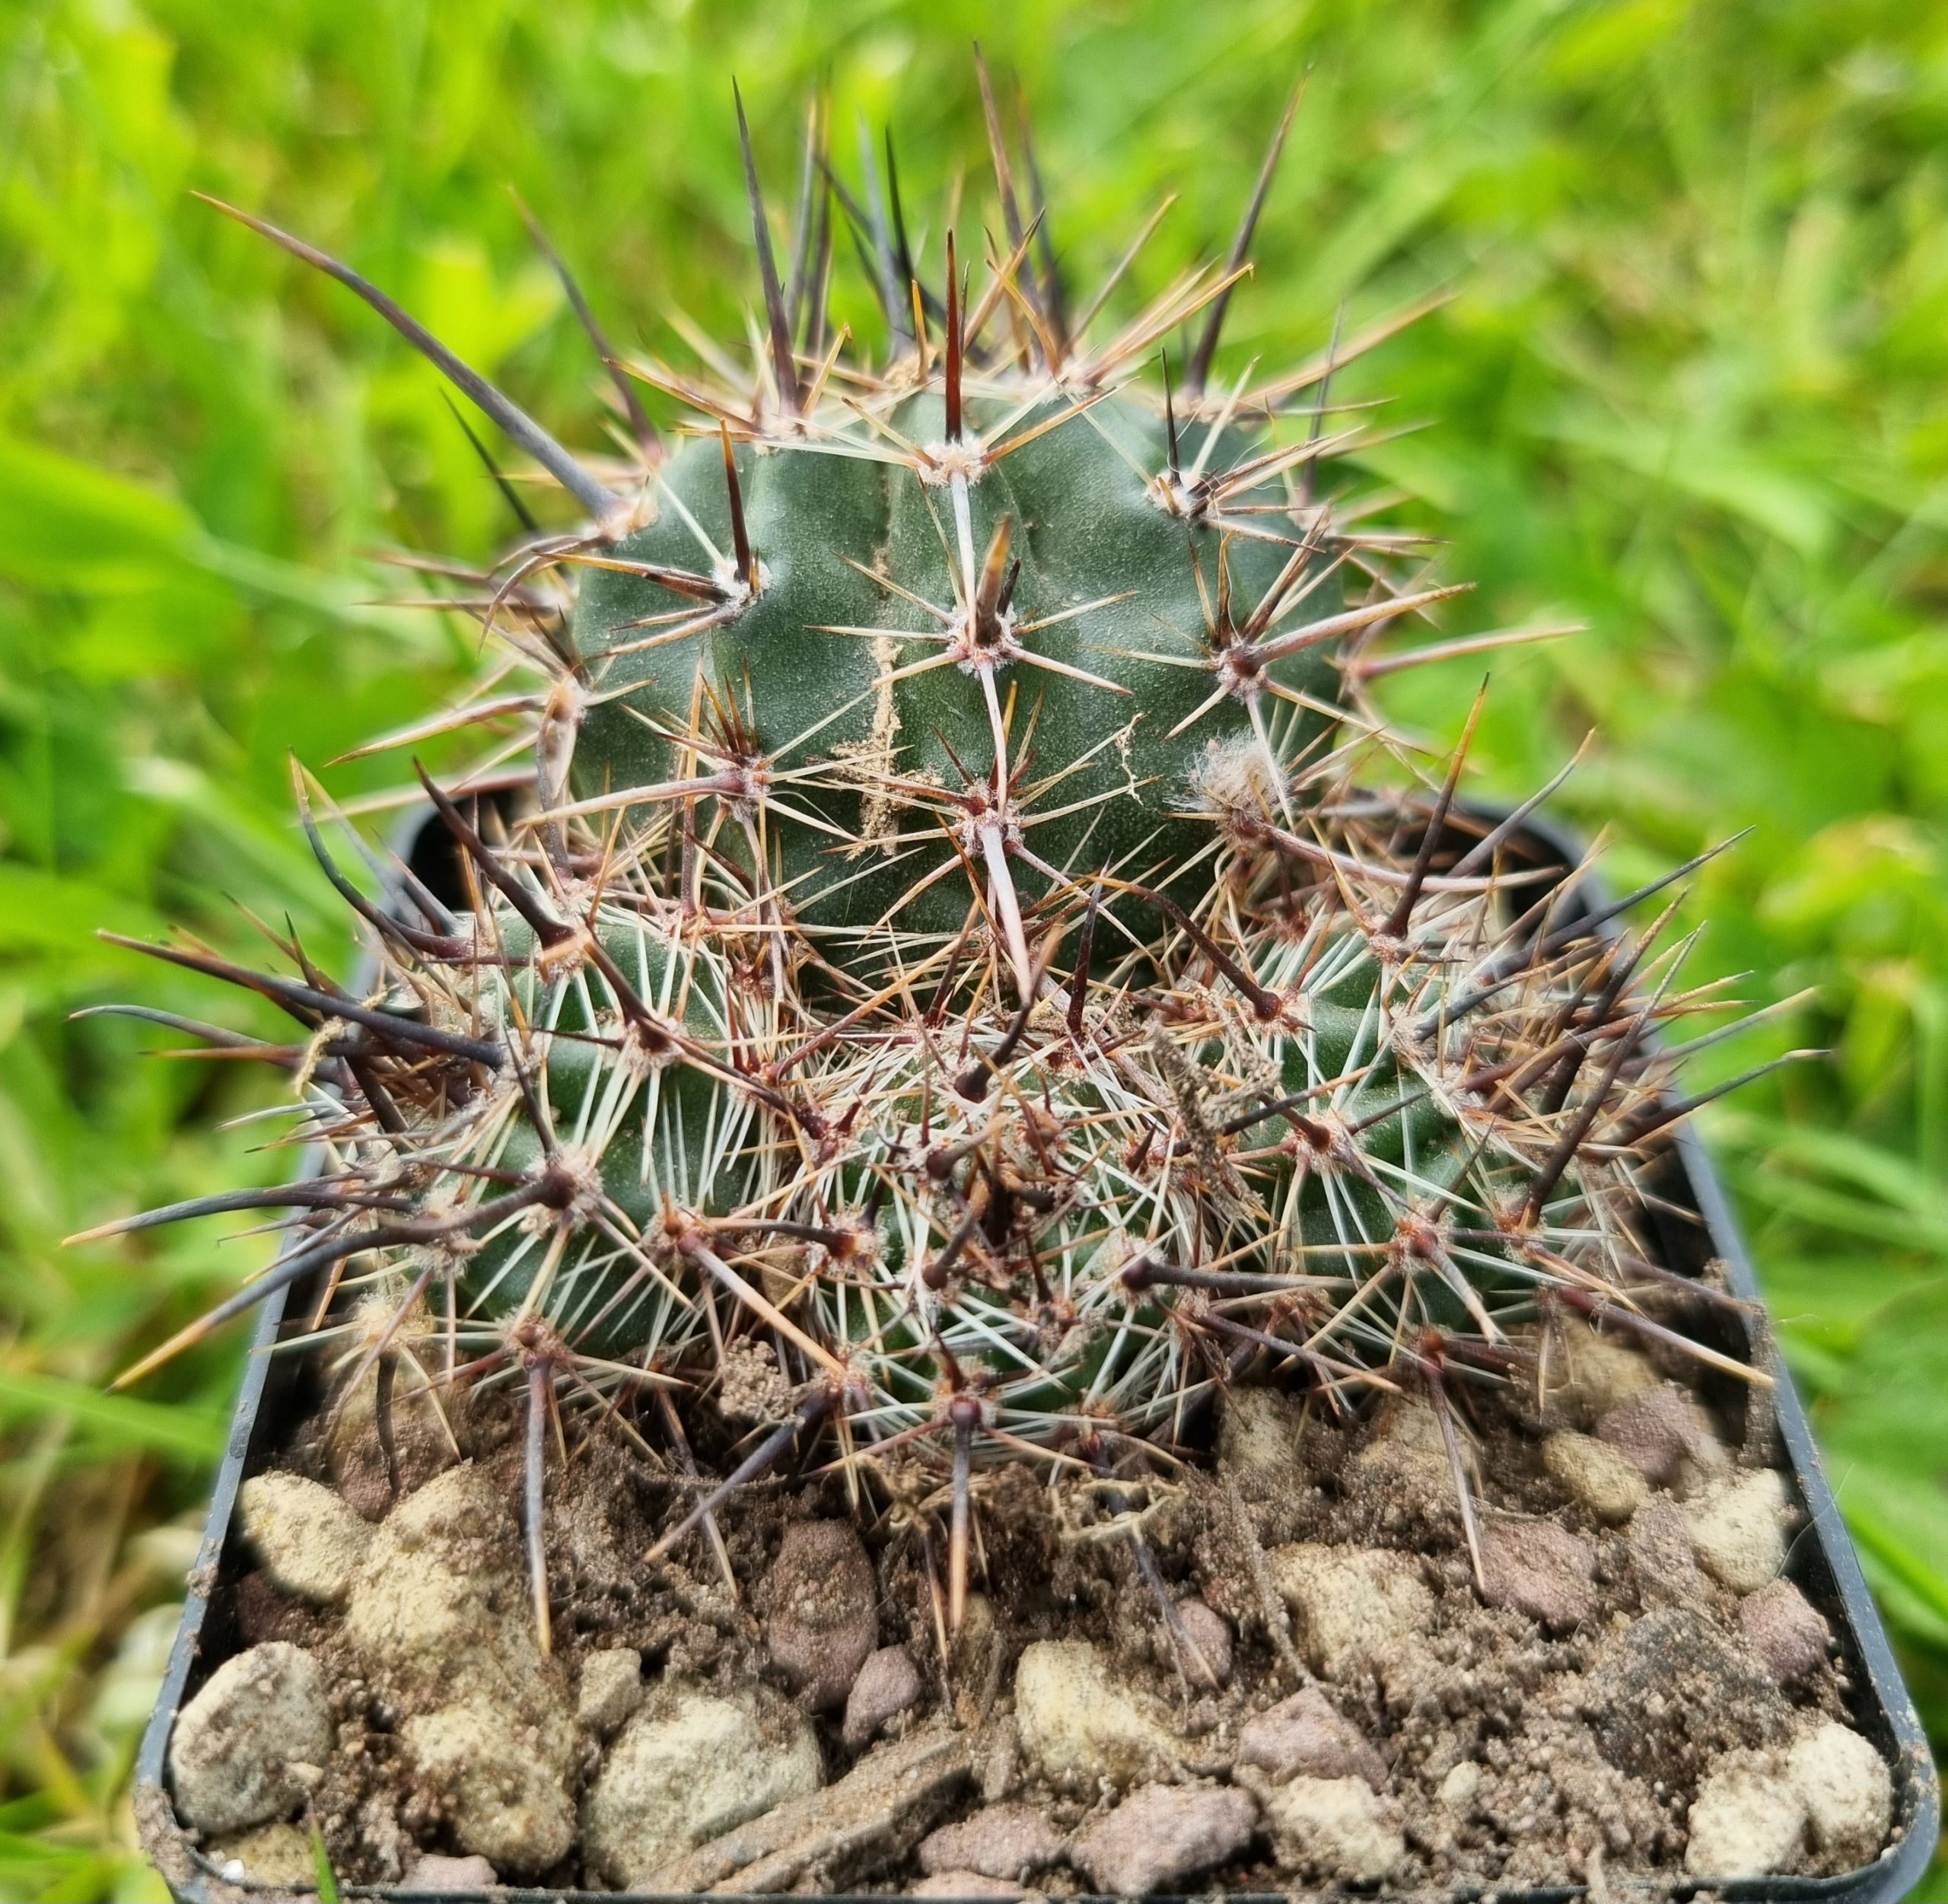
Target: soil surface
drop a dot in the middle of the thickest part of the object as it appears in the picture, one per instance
(1288, 1658)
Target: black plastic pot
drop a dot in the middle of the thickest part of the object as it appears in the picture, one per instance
(1696, 1229)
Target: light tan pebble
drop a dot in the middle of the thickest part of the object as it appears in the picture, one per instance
(1848, 1791)
(964, 1884)
(1659, 1429)
(1540, 1569)
(610, 1690)
(431, 1872)
(1404, 1466)
(1161, 1835)
(689, 1766)
(279, 1854)
(1781, 1626)
(308, 1540)
(430, 1596)
(1662, 1562)
(1328, 1829)
(1207, 1662)
(888, 1686)
(1354, 1605)
(245, 1750)
(1591, 1374)
(823, 1619)
(1000, 1762)
(1461, 1787)
(1079, 1723)
(1738, 1529)
(1747, 1821)
(506, 1785)
(1595, 1475)
(1258, 1439)
(1305, 1736)
(1001, 1841)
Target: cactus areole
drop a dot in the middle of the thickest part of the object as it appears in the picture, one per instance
(942, 940)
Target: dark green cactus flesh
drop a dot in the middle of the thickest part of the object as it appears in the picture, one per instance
(857, 680)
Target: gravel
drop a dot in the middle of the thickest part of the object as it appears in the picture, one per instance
(1161, 1835)
(824, 1617)
(1080, 1724)
(253, 1741)
(1738, 1528)
(309, 1541)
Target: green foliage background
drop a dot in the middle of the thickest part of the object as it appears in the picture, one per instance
(1690, 389)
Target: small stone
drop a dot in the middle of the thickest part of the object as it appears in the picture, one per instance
(610, 1691)
(1328, 1829)
(1160, 1834)
(1079, 1723)
(869, 1820)
(1662, 1562)
(1002, 1840)
(1354, 1605)
(1461, 1787)
(964, 1884)
(1405, 1471)
(1747, 1821)
(688, 1767)
(245, 1749)
(888, 1685)
(1670, 1692)
(999, 1765)
(1540, 1569)
(1304, 1737)
(1595, 1475)
(1848, 1791)
(1781, 1625)
(974, 1646)
(431, 1595)
(309, 1542)
(506, 1787)
(1208, 1666)
(279, 1854)
(431, 1872)
(1738, 1528)
(1258, 1440)
(824, 1613)
(1659, 1427)
(1596, 1372)
(440, 1609)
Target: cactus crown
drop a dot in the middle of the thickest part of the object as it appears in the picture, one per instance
(941, 939)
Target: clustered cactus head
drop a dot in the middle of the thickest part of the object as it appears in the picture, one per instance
(940, 948)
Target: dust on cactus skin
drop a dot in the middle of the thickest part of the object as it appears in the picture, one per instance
(942, 939)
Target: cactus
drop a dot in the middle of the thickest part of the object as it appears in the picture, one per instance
(945, 943)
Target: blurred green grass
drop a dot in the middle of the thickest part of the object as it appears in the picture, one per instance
(1690, 389)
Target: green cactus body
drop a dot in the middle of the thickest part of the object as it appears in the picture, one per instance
(879, 741)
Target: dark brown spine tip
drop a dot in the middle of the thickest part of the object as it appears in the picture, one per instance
(1170, 418)
(1199, 372)
(505, 412)
(1402, 915)
(551, 931)
(640, 426)
(783, 365)
(952, 369)
(746, 557)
